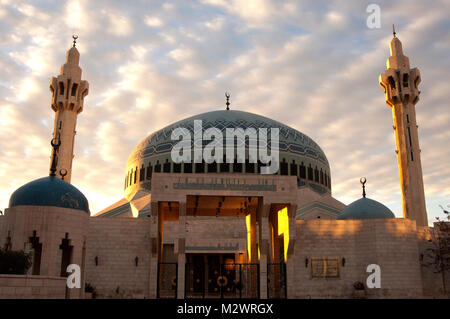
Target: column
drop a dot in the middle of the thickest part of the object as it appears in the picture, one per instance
(263, 218)
(290, 265)
(253, 258)
(155, 231)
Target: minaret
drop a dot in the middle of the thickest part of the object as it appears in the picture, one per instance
(400, 84)
(68, 92)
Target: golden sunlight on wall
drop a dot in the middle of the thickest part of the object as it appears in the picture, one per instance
(249, 236)
(283, 229)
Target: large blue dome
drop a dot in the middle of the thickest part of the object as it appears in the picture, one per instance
(49, 191)
(365, 208)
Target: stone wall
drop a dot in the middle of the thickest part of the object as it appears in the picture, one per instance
(116, 242)
(32, 287)
(52, 226)
(3, 232)
(209, 233)
(389, 243)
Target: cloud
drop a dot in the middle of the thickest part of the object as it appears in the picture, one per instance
(310, 64)
(153, 21)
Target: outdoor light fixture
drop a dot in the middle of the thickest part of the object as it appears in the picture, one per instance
(343, 262)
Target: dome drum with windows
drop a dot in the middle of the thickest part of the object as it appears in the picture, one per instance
(299, 155)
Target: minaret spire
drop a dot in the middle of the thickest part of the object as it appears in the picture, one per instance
(400, 84)
(68, 92)
(74, 37)
(363, 181)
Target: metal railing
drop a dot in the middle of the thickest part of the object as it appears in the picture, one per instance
(222, 281)
(276, 281)
(167, 280)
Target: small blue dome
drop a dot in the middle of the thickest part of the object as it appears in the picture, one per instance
(365, 208)
(49, 191)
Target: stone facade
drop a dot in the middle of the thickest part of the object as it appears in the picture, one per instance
(389, 243)
(50, 228)
(121, 259)
(32, 287)
(219, 231)
(113, 245)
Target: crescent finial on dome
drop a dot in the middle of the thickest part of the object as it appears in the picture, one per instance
(227, 95)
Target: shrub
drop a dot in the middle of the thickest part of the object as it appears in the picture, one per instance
(89, 288)
(358, 285)
(14, 262)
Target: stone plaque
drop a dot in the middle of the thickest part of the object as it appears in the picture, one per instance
(325, 267)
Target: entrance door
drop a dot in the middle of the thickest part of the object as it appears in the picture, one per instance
(212, 275)
(198, 274)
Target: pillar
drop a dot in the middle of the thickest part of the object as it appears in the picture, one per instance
(264, 233)
(155, 231)
(290, 262)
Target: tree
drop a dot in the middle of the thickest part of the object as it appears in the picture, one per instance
(438, 256)
(14, 262)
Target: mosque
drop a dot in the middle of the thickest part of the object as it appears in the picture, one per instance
(201, 229)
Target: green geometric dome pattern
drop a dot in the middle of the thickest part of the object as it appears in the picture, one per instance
(291, 140)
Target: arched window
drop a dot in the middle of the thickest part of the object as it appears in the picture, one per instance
(74, 89)
(310, 173)
(166, 166)
(157, 167)
(142, 173)
(177, 167)
(200, 167)
(187, 167)
(237, 167)
(37, 248)
(405, 80)
(391, 82)
(302, 171)
(316, 175)
(284, 167)
(135, 175)
(66, 255)
(294, 168)
(149, 170)
(321, 177)
(326, 179)
(224, 167)
(212, 167)
(61, 88)
(249, 167)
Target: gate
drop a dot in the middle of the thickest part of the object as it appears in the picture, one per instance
(276, 281)
(167, 280)
(228, 280)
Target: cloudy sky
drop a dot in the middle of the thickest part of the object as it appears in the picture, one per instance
(311, 64)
